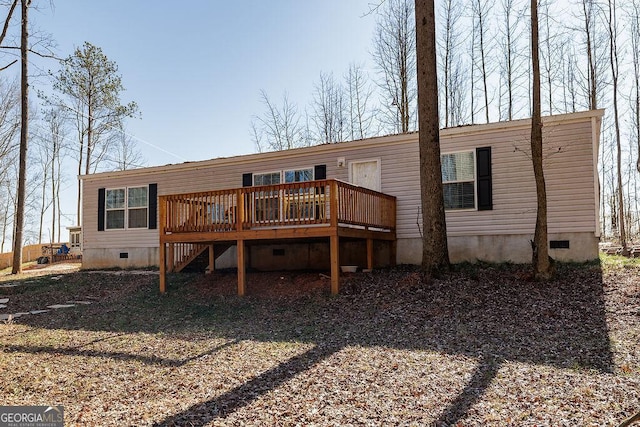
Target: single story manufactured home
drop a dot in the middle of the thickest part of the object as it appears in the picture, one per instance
(282, 203)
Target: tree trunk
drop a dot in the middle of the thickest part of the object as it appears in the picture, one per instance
(435, 254)
(80, 154)
(613, 60)
(53, 191)
(5, 224)
(24, 127)
(542, 266)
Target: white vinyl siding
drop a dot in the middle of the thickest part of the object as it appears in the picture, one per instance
(568, 170)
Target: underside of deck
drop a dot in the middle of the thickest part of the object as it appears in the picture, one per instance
(326, 210)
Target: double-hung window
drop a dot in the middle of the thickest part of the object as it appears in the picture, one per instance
(115, 208)
(267, 203)
(301, 204)
(295, 203)
(137, 207)
(298, 175)
(270, 178)
(459, 180)
(127, 208)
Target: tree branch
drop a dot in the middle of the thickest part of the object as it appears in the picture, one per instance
(6, 22)
(8, 65)
(40, 54)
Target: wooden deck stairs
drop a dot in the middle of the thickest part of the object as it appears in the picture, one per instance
(192, 252)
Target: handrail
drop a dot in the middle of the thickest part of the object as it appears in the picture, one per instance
(319, 202)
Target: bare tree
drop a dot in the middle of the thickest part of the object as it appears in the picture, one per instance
(450, 42)
(329, 113)
(7, 195)
(509, 42)
(9, 124)
(542, 266)
(44, 161)
(435, 252)
(480, 10)
(394, 52)
(634, 18)
(358, 91)
(24, 134)
(5, 29)
(278, 128)
(593, 84)
(548, 54)
(593, 41)
(615, 70)
(127, 154)
(55, 134)
(569, 77)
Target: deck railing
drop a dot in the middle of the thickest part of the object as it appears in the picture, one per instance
(282, 205)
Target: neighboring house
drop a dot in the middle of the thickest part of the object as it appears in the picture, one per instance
(489, 188)
(75, 240)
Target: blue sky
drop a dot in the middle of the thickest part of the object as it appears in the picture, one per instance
(196, 68)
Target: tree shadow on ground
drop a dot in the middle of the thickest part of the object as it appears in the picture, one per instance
(491, 313)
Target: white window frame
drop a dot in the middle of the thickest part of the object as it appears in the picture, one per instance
(253, 177)
(475, 180)
(126, 208)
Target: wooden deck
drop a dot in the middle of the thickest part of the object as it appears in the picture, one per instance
(312, 210)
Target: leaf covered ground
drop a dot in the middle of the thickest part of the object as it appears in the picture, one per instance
(482, 345)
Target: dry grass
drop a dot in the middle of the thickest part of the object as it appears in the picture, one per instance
(481, 346)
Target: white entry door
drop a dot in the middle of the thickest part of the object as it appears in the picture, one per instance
(365, 174)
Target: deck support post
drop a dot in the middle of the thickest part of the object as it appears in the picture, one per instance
(334, 248)
(392, 252)
(370, 254)
(241, 268)
(212, 259)
(163, 268)
(171, 258)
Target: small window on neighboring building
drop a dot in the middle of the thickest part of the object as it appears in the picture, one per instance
(458, 180)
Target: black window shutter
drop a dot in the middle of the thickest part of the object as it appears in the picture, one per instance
(153, 206)
(101, 195)
(483, 168)
(247, 179)
(320, 172)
